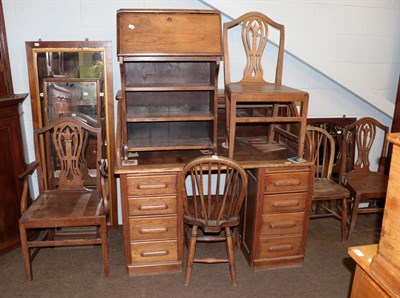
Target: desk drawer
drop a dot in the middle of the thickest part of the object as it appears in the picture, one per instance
(152, 205)
(286, 182)
(151, 185)
(282, 224)
(280, 247)
(285, 202)
(157, 251)
(153, 228)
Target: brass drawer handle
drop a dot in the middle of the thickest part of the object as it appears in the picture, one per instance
(152, 186)
(155, 253)
(148, 230)
(153, 207)
(283, 247)
(282, 225)
(286, 203)
(289, 182)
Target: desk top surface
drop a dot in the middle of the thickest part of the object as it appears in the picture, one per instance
(249, 152)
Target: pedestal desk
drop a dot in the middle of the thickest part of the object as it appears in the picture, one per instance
(274, 219)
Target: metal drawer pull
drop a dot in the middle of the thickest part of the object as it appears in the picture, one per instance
(153, 207)
(155, 253)
(282, 225)
(147, 230)
(286, 203)
(289, 182)
(152, 186)
(283, 247)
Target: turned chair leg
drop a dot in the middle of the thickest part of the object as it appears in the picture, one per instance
(231, 255)
(190, 255)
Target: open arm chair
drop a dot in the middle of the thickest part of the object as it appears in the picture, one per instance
(212, 200)
(66, 199)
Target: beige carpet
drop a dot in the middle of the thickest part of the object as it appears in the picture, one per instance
(77, 272)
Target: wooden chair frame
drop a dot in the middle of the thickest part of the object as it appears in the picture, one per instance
(325, 189)
(362, 182)
(212, 203)
(253, 90)
(70, 204)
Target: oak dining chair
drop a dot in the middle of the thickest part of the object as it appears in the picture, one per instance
(67, 204)
(366, 185)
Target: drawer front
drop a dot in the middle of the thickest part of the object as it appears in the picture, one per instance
(286, 182)
(157, 251)
(282, 224)
(280, 247)
(153, 228)
(168, 32)
(285, 202)
(152, 205)
(151, 185)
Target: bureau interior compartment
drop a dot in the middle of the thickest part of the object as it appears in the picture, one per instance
(148, 106)
(165, 120)
(147, 136)
(169, 73)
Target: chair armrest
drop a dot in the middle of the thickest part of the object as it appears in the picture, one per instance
(29, 170)
(103, 166)
(25, 191)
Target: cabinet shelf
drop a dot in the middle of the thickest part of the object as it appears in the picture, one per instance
(169, 116)
(169, 87)
(170, 144)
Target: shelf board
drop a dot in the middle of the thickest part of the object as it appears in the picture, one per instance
(170, 144)
(170, 87)
(169, 116)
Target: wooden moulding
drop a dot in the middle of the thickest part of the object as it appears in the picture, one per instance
(385, 266)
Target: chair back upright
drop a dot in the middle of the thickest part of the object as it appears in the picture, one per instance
(322, 151)
(255, 29)
(213, 189)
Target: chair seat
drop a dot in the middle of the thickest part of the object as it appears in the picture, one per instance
(264, 91)
(326, 188)
(63, 208)
(368, 185)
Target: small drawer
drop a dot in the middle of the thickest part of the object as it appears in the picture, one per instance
(152, 205)
(286, 182)
(285, 202)
(157, 251)
(151, 185)
(280, 247)
(153, 228)
(282, 224)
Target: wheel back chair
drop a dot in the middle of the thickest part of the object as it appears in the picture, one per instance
(326, 190)
(365, 185)
(252, 99)
(212, 190)
(65, 201)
